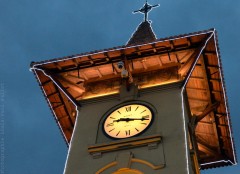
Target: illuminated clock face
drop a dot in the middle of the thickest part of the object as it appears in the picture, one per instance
(128, 121)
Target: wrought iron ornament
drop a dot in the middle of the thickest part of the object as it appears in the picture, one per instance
(146, 9)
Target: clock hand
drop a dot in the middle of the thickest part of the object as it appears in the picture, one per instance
(123, 119)
(142, 119)
(120, 119)
(130, 119)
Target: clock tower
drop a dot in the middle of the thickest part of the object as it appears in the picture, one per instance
(151, 106)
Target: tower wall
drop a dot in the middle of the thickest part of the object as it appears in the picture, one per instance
(170, 119)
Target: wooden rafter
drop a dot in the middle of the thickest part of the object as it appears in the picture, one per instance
(143, 54)
(189, 41)
(58, 106)
(171, 44)
(52, 94)
(189, 63)
(188, 68)
(211, 100)
(198, 99)
(84, 75)
(159, 61)
(75, 77)
(67, 108)
(206, 148)
(46, 82)
(75, 62)
(144, 64)
(75, 87)
(57, 82)
(98, 72)
(210, 123)
(209, 109)
(58, 66)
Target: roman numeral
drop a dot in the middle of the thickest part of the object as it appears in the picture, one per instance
(127, 132)
(110, 124)
(112, 118)
(143, 111)
(128, 109)
(111, 130)
(119, 112)
(144, 123)
(146, 116)
(137, 129)
(137, 108)
(118, 133)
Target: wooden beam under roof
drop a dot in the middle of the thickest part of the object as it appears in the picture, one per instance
(75, 77)
(159, 60)
(211, 99)
(210, 52)
(189, 41)
(102, 61)
(210, 123)
(58, 66)
(206, 150)
(58, 106)
(75, 62)
(98, 72)
(52, 94)
(203, 79)
(83, 74)
(67, 106)
(171, 44)
(46, 82)
(198, 99)
(189, 63)
(205, 147)
(69, 83)
(197, 89)
(58, 84)
(197, 53)
(202, 89)
(209, 109)
(144, 64)
(154, 47)
(106, 55)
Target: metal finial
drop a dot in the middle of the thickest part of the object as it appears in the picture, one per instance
(146, 9)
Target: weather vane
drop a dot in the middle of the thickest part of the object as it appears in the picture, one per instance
(146, 9)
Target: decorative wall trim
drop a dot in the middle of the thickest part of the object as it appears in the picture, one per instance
(124, 144)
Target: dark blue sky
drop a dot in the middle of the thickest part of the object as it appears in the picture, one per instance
(35, 30)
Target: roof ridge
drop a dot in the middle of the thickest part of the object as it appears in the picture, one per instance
(33, 63)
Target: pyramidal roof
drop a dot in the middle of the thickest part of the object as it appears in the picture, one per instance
(143, 34)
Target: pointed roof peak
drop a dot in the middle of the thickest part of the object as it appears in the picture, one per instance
(146, 9)
(143, 34)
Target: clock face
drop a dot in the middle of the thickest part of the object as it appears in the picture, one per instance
(128, 121)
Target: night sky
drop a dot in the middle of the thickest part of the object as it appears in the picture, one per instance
(36, 30)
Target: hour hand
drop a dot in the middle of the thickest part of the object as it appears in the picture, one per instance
(131, 119)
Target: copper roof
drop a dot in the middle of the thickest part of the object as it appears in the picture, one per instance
(191, 58)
